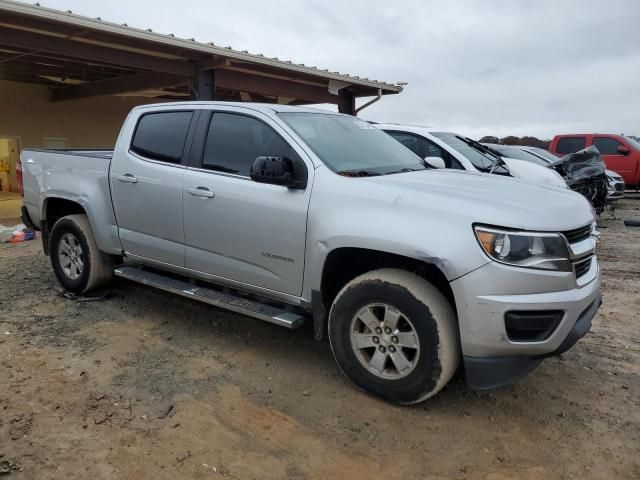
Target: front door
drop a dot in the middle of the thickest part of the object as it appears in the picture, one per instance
(235, 228)
(619, 163)
(146, 187)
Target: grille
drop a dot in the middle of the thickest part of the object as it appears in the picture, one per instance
(578, 234)
(619, 187)
(582, 268)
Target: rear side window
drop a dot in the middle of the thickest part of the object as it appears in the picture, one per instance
(161, 136)
(234, 142)
(568, 145)
(607, 146)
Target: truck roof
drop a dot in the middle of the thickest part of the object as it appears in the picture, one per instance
(264, 107)
(587, 134)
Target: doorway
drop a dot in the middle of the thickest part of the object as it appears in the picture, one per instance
(9, 156)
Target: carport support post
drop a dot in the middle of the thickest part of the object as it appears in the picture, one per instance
(346, 102)
(204, 86)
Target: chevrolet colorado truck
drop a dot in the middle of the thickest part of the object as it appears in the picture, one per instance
(287, 213)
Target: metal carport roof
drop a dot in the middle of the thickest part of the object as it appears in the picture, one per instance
(82, 57)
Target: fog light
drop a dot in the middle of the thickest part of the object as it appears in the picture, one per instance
(531, 326)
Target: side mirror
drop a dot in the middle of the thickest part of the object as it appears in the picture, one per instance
(273, 170)
(622, 150)
(435, 162)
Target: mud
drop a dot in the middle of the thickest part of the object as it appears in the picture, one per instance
(146, 385)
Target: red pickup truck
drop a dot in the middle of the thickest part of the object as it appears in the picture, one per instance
(621, 154)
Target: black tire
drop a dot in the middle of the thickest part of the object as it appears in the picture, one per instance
(97, 267)
(431, 318)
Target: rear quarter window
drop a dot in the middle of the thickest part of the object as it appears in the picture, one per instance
(162, 135)
(568, 145)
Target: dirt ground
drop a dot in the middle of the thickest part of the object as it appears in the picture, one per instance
(144, 385)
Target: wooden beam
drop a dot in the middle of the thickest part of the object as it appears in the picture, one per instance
(346, 102)
(125, 84)
(214, 64)
(204, 87)
(233, 80)
(67, 47)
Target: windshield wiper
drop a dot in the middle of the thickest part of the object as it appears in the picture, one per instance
(496, 163)
(358, 173)
(404, 170)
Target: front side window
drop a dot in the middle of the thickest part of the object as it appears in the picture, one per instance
(234, 142)
(416, 144)
(350, 146)
(607, 146)
(162, 135)
(425, 148)
(567, 145)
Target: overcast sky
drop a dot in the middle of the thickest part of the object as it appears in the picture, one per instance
(481, 68)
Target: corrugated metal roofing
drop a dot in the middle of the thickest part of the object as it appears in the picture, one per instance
(98, 24)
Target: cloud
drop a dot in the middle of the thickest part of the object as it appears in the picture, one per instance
(493, 67)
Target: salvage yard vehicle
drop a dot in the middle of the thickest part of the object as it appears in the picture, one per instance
(546, 158)
(288, 213)
(584, 171)
(620, 153)
(463, 153)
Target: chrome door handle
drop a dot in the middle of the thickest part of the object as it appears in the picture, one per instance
(127, 178)
(201, 192)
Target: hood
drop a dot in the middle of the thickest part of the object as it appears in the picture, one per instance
(481, 198)
(582, 165)
(534, 173)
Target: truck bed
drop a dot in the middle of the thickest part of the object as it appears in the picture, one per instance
(79, 176)
(93, 153)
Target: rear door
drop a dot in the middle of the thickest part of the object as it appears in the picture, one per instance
(237, 229)
(625, 165)
(573, 144)
(146, 186)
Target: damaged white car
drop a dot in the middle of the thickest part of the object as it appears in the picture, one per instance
(443, 149)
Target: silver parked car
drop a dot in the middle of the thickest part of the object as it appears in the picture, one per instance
(545, 158)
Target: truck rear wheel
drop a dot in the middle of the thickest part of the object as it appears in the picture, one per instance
(76, 260)
(394, 334)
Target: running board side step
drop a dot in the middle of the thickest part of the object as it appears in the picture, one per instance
(218, 299)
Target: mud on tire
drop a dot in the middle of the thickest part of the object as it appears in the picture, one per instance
(418, 312)
(77, 263)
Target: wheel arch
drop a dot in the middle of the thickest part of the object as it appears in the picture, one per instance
(53, 209)
(343, 264)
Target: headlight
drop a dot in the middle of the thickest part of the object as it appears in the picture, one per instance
(544, 251)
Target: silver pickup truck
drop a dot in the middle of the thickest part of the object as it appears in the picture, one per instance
(287, 213)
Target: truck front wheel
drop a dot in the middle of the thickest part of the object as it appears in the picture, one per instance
(76, 260)
(394, 334)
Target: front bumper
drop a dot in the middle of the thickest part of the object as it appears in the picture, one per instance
(493, 372)
(484, 296)
(616, 190)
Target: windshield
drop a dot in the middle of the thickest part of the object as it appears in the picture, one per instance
(511, 152)
(479, 160)
(634, 143)
(350, 146)
(540, 152)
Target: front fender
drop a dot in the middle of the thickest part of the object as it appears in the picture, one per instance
(342, 218)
